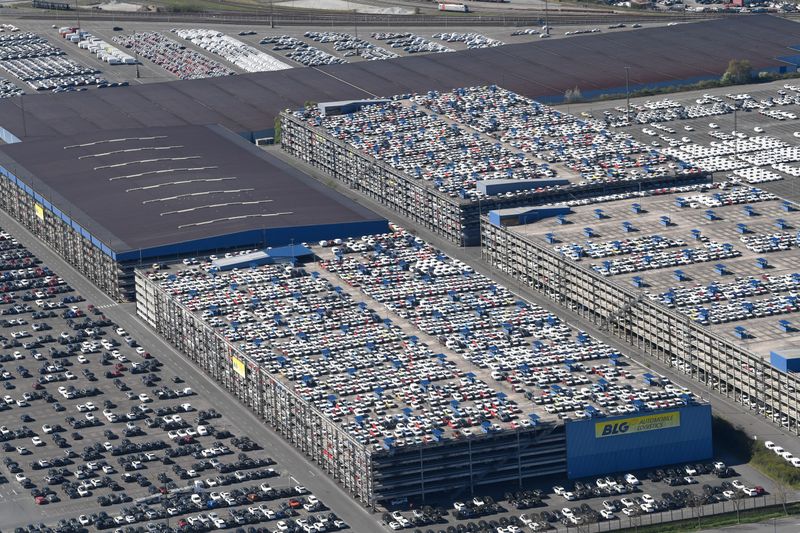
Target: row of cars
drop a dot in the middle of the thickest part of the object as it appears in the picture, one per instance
(410, 42)
(471, 40)
(9, 89)
(781, 452)
(183, 62)
(231, 49)
(350, 45)
(300, 51)
(32, 59)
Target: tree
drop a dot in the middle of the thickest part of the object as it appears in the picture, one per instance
(277, 135)
(739, 71)
(736, 500)
(782, 492)
(695, 503)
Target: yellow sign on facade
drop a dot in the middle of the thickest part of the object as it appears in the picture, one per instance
(637, 424)
(238, 366)
(39, 211)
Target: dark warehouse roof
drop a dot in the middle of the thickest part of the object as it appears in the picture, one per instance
(249, 102)
(138, 189)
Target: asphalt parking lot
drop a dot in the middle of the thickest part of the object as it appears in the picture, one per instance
(697, 131)
(541, 505)
(92, 427)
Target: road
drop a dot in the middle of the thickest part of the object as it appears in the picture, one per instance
(779, 525)
(726, 408)
(287, 457)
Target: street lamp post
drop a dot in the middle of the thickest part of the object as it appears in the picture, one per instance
(627, 95)
(736, 133)
(546, 21)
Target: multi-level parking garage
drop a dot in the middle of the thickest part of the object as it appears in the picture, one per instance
(705, 282)
(440, 159)
(404, 373)
(184, 191)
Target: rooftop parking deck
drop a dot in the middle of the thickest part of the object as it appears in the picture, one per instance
(456, 140)
(727, 258)
(394, 340)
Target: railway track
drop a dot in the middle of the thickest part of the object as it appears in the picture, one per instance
(285, 16)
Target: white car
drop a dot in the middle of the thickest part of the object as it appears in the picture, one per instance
(21, 477)
(713, 126)
(632, 480)
(82, 359)
(144, 398)
(796, 134)
(768, 444)
(758, 129)
(47, 428)
(627, 502)
(37, 441)
(608, 515)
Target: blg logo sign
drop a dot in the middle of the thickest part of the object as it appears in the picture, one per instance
(615, 429)
(637, 424)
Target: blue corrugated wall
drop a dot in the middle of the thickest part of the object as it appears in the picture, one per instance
(589, 455)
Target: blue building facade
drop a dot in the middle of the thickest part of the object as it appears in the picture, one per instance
(641, 440)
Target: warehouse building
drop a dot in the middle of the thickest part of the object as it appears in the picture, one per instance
(343, 376)
(110, 201)
(706, 283)
(248, 104)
